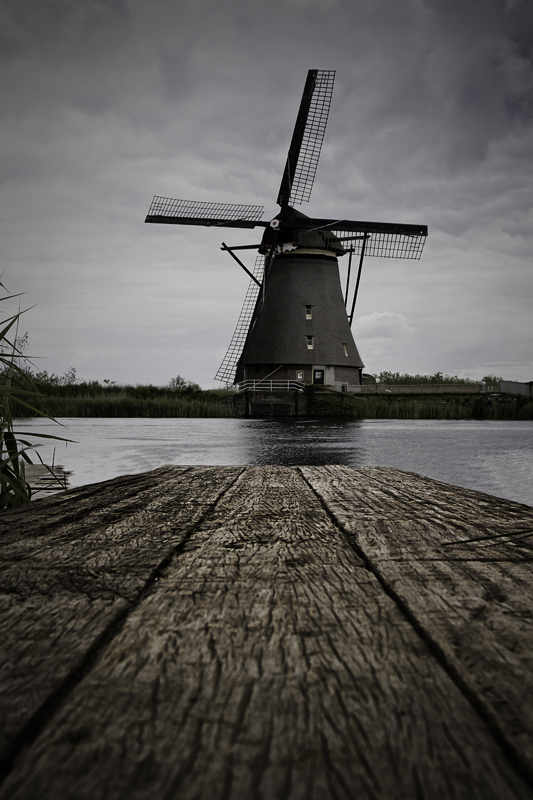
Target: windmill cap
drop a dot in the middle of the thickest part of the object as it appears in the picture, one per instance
(289, 233)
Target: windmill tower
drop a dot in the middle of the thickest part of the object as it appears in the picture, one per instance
(295, 324)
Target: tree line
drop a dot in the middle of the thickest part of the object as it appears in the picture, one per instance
(404, 379)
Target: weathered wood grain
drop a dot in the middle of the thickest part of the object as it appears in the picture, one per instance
(474, 601)
(266, 662)
(73, 565)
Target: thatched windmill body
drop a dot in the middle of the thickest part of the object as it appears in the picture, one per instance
(296, 323)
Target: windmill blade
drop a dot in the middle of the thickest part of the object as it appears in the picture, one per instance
(226, 371)
(387, 245)
(307, 138)
(190, 212)
(385, 239)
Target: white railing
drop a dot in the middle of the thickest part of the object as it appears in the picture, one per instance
(269, 386)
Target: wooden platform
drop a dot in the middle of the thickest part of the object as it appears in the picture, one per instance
(218, 633)
(44, 482)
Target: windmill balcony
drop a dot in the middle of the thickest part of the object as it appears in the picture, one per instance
(269, 386)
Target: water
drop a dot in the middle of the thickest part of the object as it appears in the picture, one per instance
(493, 457)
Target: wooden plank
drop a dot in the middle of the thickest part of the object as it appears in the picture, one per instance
(74, 565)
(474, 601)
(266, 662)
(43, 483)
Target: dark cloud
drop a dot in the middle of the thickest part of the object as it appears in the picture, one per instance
(107, 103)
(60, 32)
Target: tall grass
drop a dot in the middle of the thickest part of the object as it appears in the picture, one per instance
(475, 407)
(124, 404)
(95, 400)
(17, 391)
(457, 408)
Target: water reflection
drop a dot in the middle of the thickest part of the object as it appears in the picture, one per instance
(311, 442)
(494, 457)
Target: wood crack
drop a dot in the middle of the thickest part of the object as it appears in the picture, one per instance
(43, 715)
(499, 735)
(258, 652)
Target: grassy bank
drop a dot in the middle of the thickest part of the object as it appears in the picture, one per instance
(397, 407)
(95, 400)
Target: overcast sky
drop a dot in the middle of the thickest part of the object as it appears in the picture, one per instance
(108, 102)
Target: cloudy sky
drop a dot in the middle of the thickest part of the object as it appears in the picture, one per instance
(108, 102)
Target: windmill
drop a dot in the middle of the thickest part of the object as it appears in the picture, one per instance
(295, 324)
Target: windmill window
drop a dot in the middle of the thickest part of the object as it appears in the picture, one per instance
(310, 342)
(309, 312)
(345, 350)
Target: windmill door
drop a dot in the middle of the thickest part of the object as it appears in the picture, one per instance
(318, 376)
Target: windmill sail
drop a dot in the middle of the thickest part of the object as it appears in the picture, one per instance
(191, 212)
(226, 371)
(385, 245)
(307, 138)
(384, 239)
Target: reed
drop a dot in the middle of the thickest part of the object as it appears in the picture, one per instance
(92, 399)
(456, 408)
(95, 400)
(452, 408)
(17, 392)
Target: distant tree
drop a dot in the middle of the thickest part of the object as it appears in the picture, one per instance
(177, 383)
(492, 379)
(69, 378)
(182, 385)
(17, 351)
(25, 366)
(52, 379)
(21, 345)
(404, 379)
(49, 378)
